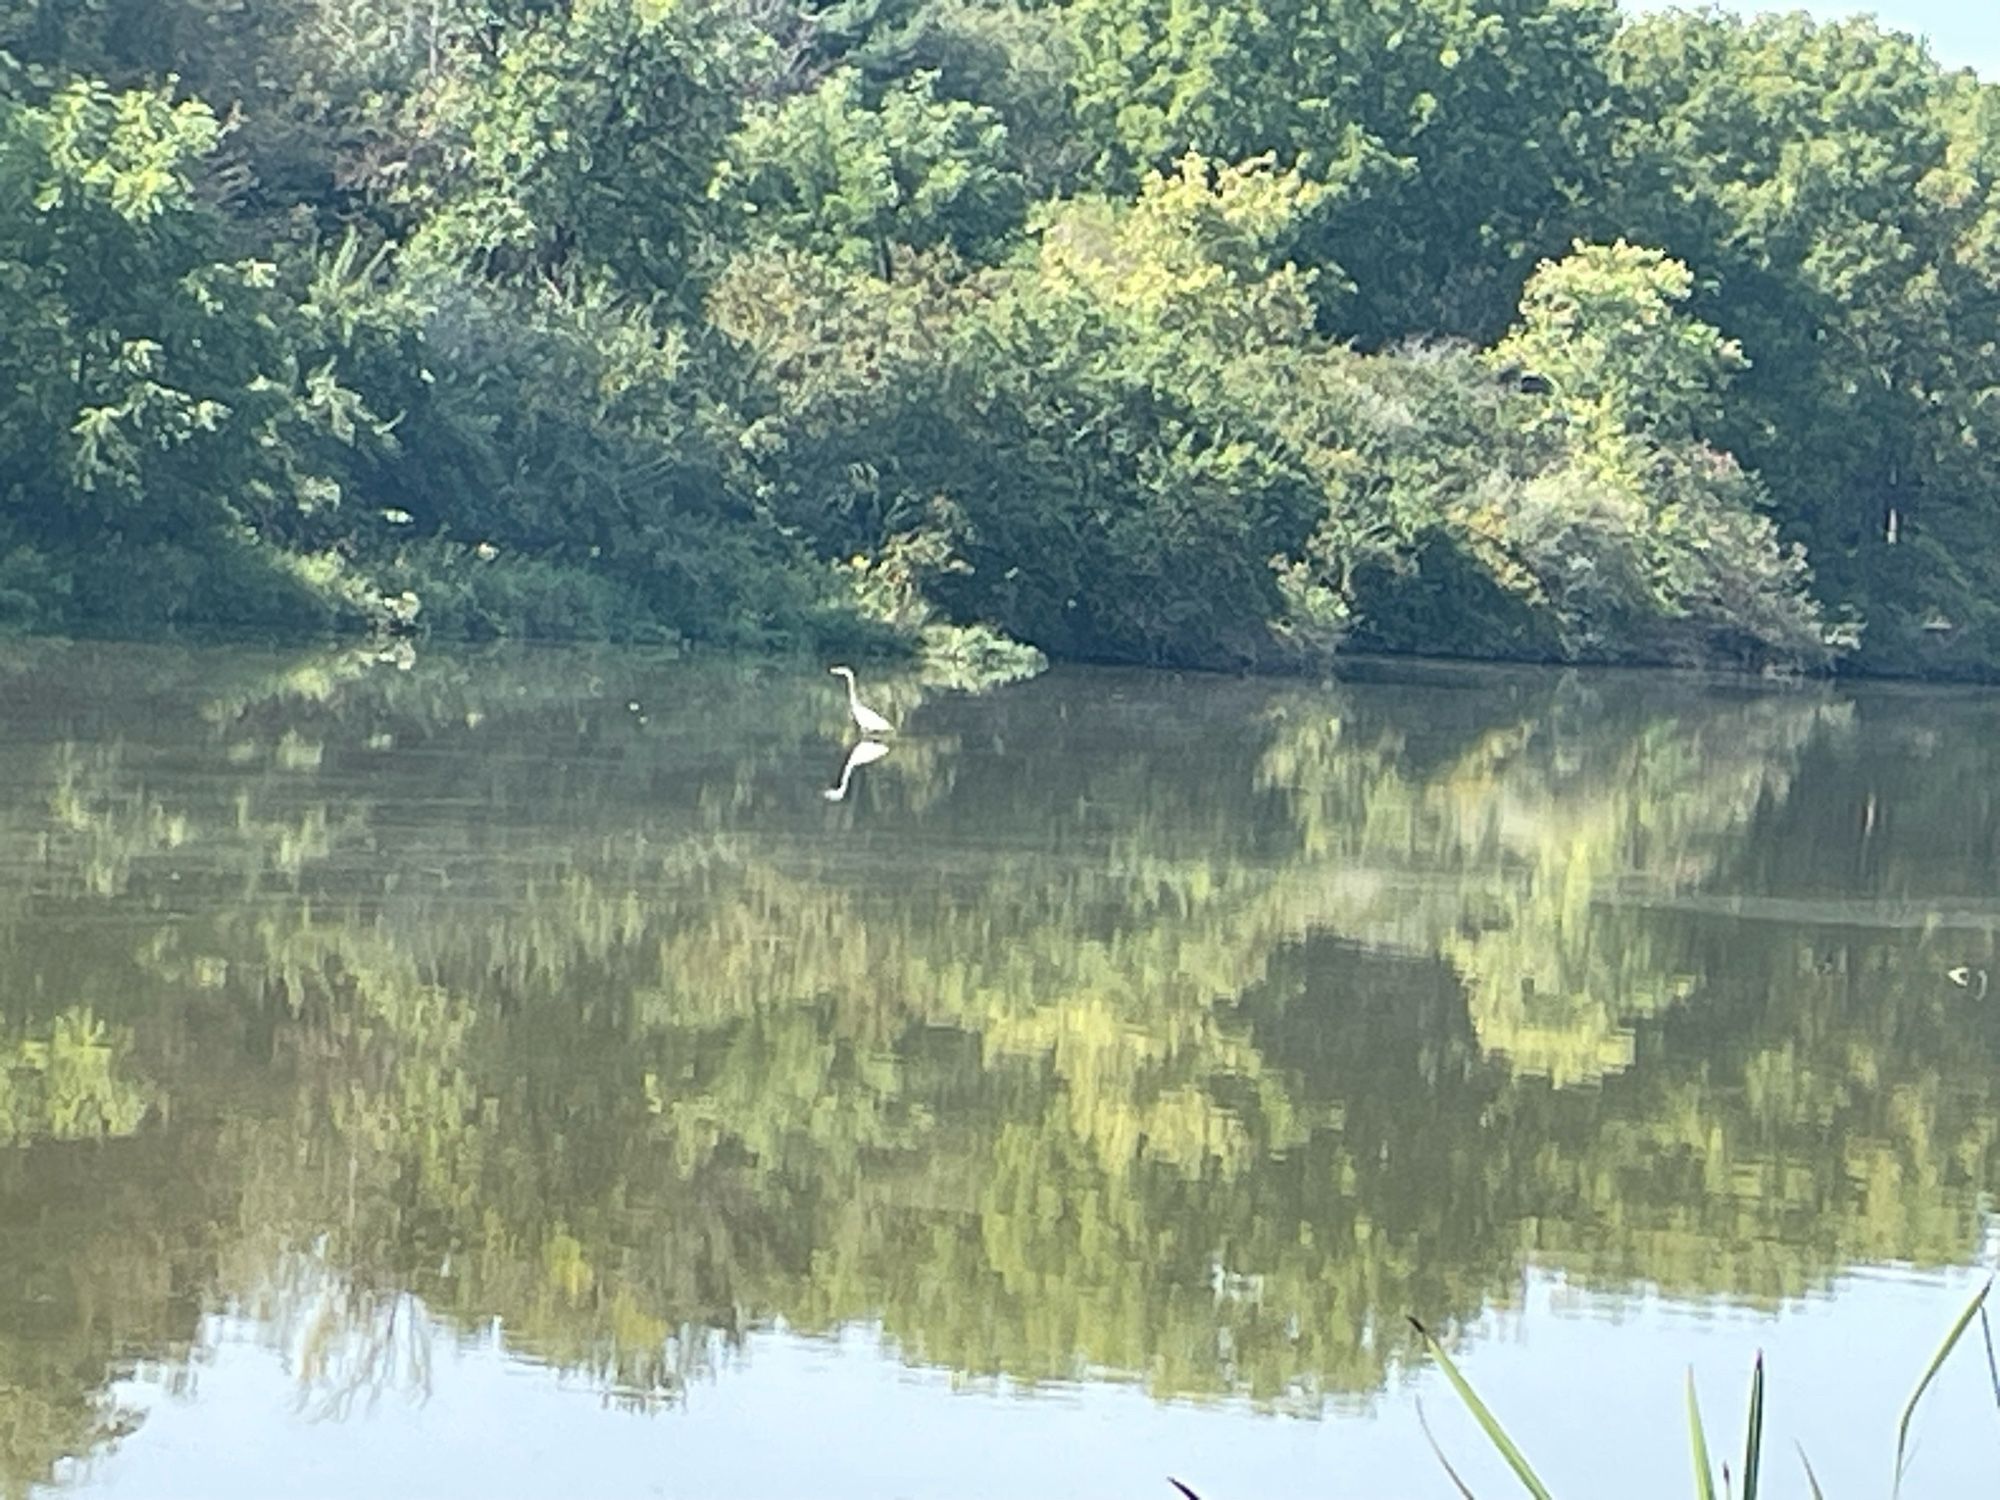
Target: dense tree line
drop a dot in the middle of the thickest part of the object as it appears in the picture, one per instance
(1163, 330)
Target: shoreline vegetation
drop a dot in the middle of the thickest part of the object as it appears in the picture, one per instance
(1155, 331)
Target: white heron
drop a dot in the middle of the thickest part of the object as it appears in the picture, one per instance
(869, 721)
(1964, 975)
(864, 753)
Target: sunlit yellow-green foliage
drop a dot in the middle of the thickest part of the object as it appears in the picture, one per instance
(1195, 251)
(63, 1083)
(1606, 327)
(1194, 1033)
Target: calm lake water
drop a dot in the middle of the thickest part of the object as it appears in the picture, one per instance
(514, 1074)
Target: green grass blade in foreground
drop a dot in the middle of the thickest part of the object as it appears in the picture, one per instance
(1812, 1479)
(1753, 1440)
(1992, 1365)
(1704, 1471)
(1487, 1421)
(1930, 1373)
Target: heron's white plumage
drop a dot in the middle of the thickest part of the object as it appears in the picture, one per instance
(865, 717)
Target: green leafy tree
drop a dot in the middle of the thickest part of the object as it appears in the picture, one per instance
(159, 393)
(1454, 137)
(1607, 329)
(1091, 418)
(1643, 539)
(1829, 186)
(837, 176)
(575, 138)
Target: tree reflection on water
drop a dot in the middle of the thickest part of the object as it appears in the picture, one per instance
(1193, 1030)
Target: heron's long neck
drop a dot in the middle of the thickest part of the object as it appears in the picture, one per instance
(853, 698)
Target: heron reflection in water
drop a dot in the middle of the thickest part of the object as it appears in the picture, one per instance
(864, 753)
